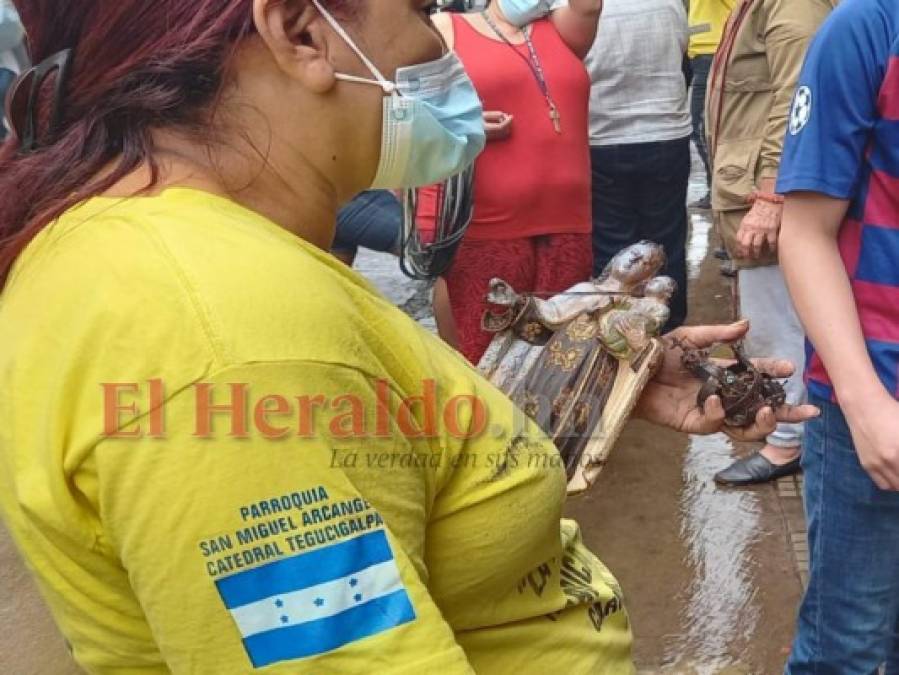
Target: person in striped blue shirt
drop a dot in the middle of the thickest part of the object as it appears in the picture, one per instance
(840, 254)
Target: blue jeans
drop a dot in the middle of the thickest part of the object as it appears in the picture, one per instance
(850, 614)
(374, 220)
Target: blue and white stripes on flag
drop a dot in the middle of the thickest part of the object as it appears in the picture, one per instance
(319, 601)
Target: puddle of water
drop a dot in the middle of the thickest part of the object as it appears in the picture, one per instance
(719, 528)
(698, 244)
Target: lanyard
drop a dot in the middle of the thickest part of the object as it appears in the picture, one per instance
(536, 69)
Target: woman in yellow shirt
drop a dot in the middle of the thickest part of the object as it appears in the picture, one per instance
(211, 451)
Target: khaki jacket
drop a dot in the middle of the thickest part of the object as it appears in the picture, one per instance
(749, 98)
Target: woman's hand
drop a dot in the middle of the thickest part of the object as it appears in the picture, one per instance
(670, 398)
(498, 125)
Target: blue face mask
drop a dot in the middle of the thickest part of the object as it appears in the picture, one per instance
(433, 119)
(523, 12)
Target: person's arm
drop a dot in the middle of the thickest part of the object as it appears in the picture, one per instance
(577, 23)
(576, 20)
(761, 226)
(814, 269)
(273, 531)
(823, 297)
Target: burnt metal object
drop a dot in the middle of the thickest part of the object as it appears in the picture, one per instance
(742, 388)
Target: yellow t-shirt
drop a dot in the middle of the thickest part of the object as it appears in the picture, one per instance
(206, 461)
(707, 21)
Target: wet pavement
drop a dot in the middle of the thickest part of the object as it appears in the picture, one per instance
(712, 576)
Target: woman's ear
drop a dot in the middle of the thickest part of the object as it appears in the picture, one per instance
(293, 32)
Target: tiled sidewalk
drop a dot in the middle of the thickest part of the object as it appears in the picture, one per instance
(789, 492)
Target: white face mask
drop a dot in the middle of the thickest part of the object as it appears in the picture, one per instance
(433, 118)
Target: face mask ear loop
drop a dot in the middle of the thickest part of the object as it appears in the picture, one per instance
(388, 86)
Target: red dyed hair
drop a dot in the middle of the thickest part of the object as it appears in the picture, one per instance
(137, 65)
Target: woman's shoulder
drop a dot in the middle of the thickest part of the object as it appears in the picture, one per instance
(120, 260)
(179, 227)
(97, 238)
(445, 25)
(96, 293)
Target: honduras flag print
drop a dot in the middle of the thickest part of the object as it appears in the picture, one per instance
(318, 601)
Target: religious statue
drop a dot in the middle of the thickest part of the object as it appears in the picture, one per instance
(628, 328)
(576, 362)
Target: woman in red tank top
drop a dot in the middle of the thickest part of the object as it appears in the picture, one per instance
(532, 219)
